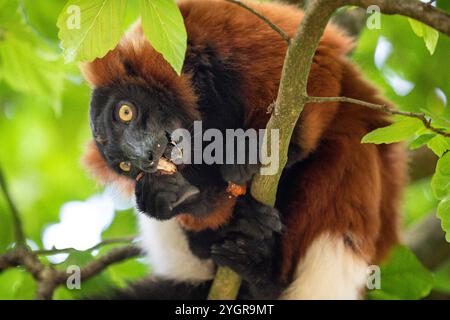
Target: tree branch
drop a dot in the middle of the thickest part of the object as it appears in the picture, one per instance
(417, 10)
(263, 18)
(225, 286)
(115, 255)
(48, 278)
(384, 108)
(18, 226)
(292, 95)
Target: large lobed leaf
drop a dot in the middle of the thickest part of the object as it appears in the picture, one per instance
(443, 213)
(439, 145)
(398, 131)
(441, 188)
(441, 178)
(102, 23)
(164, 26)
(403, 277)
(100, 29)
(429, 35)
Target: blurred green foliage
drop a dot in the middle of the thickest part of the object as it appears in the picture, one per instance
(44, 127)
(44, 124)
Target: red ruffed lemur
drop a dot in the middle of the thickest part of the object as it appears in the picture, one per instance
(338, 200)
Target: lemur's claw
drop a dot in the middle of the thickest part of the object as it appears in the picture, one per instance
(248, 242)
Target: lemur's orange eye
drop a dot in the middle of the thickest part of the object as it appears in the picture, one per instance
(125, 113)
(125, 166)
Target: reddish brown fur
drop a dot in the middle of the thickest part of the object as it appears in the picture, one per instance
(220, 216)
(100, 170)
(347, 188)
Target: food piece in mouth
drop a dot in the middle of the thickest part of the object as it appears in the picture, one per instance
(164, 167)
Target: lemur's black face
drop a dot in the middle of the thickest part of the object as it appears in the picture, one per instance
(132, 125)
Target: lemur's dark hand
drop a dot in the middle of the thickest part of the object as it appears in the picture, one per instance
(248, 242)
(159, 195)
(242, 170)
(238, 173)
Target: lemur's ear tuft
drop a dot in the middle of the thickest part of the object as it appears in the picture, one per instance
(99, 169)
(103, 71)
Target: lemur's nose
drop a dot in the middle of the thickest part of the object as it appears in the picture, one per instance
(151, 153)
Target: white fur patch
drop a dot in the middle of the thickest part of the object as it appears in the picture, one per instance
(168, 251)
(329, 270)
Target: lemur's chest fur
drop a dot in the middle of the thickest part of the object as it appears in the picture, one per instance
(167, 248)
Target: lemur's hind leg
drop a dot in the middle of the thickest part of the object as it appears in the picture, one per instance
(163, 289)
(329, 270)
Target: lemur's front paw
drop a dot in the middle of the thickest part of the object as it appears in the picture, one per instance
(245, 163)
(249, 240)
(159, 195)
(239, 173)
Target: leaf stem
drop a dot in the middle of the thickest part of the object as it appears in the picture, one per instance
(384, 108)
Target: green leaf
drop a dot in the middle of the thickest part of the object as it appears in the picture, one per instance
(419, 202)
(25, 70)
(442, 278)
(164, 26)
(429, 35)
(443, 213)
(9, 13)
(403, 277)
(17, 284)
(444, 5)
(441, 179)
(398, 131)
(42, 16)
(416, 26)
(28, 64)
(439, 145)
(128, 271)
(123, 225)
(421, 140)
(100, 27)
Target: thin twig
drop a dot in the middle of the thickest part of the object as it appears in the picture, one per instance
(97, 246)
(384, 108)
(18, 226)
(265, 19)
